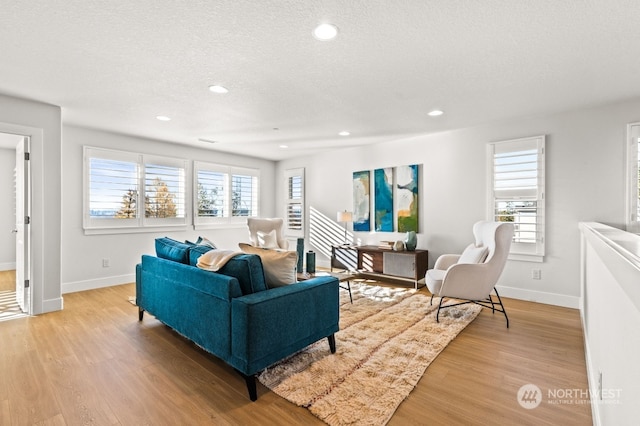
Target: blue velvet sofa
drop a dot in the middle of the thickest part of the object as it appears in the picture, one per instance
(231, 313)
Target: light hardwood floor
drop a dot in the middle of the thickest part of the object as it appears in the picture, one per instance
(7, 280)
(94, 363)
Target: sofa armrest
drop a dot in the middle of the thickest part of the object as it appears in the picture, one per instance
(270, 325)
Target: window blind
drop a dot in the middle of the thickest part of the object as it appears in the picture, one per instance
(113, 189)
(212, 190)
(164, 191)
(294, 203)
(225, 194)
(129, 190)
(517, 191)
(244, 195)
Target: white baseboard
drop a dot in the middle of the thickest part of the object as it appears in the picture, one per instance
(97, 283)
(8, 266)
(540, 297)
(52, 305)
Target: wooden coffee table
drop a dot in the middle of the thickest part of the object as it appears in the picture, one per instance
(343, 277)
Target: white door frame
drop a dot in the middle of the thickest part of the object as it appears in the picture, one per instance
(35, 271)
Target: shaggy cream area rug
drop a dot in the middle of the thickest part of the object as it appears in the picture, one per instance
(387, 339)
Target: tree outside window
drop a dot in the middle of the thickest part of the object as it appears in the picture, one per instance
(160, 202)
(129, 208)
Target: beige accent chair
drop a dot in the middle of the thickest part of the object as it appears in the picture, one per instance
(267, 232)
(472, 275)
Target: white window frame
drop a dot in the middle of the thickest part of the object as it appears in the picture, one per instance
(229, 172)
(140, 223)
(527, 251)
(294, 231)
(633, 177)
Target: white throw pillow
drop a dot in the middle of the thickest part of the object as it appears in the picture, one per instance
(473, 254)
(279, 265)
(267, 239)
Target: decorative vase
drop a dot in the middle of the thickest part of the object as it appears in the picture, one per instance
(411, 241)
(300, 250)
(311, 262)
(398, 246)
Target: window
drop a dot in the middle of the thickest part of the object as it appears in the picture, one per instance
(164, 189)
(125, 190)
(517, 193)
(211, 194)
(244, 195)
(294, 202)
(225, 194)
(633, 177)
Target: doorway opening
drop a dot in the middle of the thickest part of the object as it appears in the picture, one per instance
(15, 264)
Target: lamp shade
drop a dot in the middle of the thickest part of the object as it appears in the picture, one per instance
(344, 216)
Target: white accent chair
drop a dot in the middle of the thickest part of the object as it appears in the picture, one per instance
(472, 276)
(267, 232)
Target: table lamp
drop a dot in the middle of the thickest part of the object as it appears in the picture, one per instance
(345, 217)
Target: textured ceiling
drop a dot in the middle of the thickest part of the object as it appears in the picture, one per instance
(116, 65)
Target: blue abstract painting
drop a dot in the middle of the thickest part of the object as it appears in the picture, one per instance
(383, 199)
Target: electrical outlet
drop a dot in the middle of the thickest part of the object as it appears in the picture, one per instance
(536, 274)
(106, 263)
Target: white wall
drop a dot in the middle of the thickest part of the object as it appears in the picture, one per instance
(43, 123)
(7, 215)
(82, 254)
(611, 317)
(584, 182)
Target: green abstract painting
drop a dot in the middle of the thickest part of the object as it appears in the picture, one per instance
(407, 196)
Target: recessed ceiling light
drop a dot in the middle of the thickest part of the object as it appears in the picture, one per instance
(284, 146)
(435, 113)
(344, 133)
(325, 32)
(163, 118)
(218, 89)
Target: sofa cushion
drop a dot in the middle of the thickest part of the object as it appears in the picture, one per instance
(202, 241)
(170, 249)
(195, 251)
(248, 270)
(279, 265)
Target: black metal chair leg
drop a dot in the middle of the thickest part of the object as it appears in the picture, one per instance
(504, 311)
(439, 306)
(493, 308)
(140, 313)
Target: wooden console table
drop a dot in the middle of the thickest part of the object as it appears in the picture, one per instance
(379, 262)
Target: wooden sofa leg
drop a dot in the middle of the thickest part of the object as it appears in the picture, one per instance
(140, 313)
(332, 343)
(251, 386)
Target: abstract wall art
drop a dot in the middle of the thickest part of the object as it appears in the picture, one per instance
(383, 199)
(407, 197)
(361, 201)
